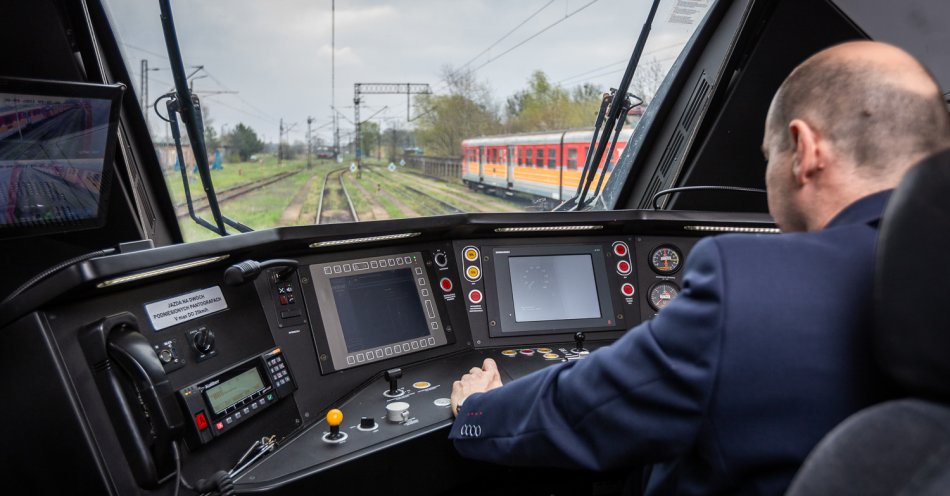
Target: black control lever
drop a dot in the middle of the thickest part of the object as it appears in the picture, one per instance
(393, 376)
(579, 338)
(248, 270)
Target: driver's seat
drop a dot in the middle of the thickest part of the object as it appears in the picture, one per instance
(902, 446)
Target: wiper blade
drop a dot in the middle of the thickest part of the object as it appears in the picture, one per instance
(187, 106)
(615, 116)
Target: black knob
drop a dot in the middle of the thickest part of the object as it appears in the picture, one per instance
(367, 423)
(441, 260)
(204, 340)
(579, 338)
(393, 375)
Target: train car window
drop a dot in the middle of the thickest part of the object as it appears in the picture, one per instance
(552, 158)
(572, 158)
(539, 157)
(529, 156)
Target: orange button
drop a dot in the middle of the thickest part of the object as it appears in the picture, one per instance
(473, 272)
(334, 417)
(471, 254)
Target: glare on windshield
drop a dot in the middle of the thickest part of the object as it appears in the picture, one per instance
(328, 112)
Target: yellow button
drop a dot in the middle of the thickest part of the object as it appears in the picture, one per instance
(471, 254)
(551, 356)
(473, 272)
(544, 350)
(334, 417)
(421, 384)
(509, 353)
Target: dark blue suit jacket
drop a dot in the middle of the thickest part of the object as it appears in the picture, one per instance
(727, 389)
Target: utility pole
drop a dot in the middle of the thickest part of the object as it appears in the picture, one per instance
(280, 142)
(144, 85)
(309, 147)
(336, 122)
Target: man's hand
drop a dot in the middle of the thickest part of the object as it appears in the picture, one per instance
(477, 380)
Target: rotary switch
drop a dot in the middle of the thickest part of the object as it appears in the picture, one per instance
(203, 340)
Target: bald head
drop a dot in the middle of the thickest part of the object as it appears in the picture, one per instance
(879, 107)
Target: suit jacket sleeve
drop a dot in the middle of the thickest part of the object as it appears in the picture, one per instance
(640, 400)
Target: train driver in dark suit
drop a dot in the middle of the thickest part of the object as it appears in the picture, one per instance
(766, 349)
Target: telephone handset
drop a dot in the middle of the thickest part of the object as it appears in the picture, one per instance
(140, 399)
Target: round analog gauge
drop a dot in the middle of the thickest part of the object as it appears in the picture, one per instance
(665, 260)
(662, 293)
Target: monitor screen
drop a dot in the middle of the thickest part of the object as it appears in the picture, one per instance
(375, 308)
(56, 147)
(557, 287)
(548, 289)
(396, 313)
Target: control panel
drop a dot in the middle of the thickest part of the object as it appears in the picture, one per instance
(220, 403)
(522, 291)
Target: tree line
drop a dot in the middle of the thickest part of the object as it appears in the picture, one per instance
(467, 109)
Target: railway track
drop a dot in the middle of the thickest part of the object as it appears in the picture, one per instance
(421, 200)
(201, 203)
(335, 205)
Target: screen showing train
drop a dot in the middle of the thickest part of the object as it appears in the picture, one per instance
(53, 152)
(548, 289)
(559, 287)
(375, 308)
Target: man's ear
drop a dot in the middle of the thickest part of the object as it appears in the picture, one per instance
(806, 162)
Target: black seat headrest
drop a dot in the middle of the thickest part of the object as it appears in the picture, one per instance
(912, 305)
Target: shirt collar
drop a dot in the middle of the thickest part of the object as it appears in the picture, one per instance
(866, 210)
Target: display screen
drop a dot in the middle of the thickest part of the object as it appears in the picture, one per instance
(557, 287)
(56, 148)
(548, 289)
(378, 308)
(234, 389)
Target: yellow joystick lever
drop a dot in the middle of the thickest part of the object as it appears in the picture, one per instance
(334, 419)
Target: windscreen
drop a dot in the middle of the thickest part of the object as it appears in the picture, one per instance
(52, 155)
(445, 122)
(553, 288)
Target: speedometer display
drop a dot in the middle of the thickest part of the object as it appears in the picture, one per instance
(665, 260)
(662, 293)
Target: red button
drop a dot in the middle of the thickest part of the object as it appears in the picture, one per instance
(620, 249)
(627, 289)
(474, 296)
(623, 267)
(283, 300)
(446, 284)
(219, 425)
(201, 421)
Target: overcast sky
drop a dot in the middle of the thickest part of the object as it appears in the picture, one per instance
(277, 53)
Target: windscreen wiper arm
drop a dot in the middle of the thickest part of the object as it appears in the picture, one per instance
(186, 106)
(615, 115)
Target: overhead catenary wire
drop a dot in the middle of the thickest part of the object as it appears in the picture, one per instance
(535, 35)
(505, 36)
(519, 44)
